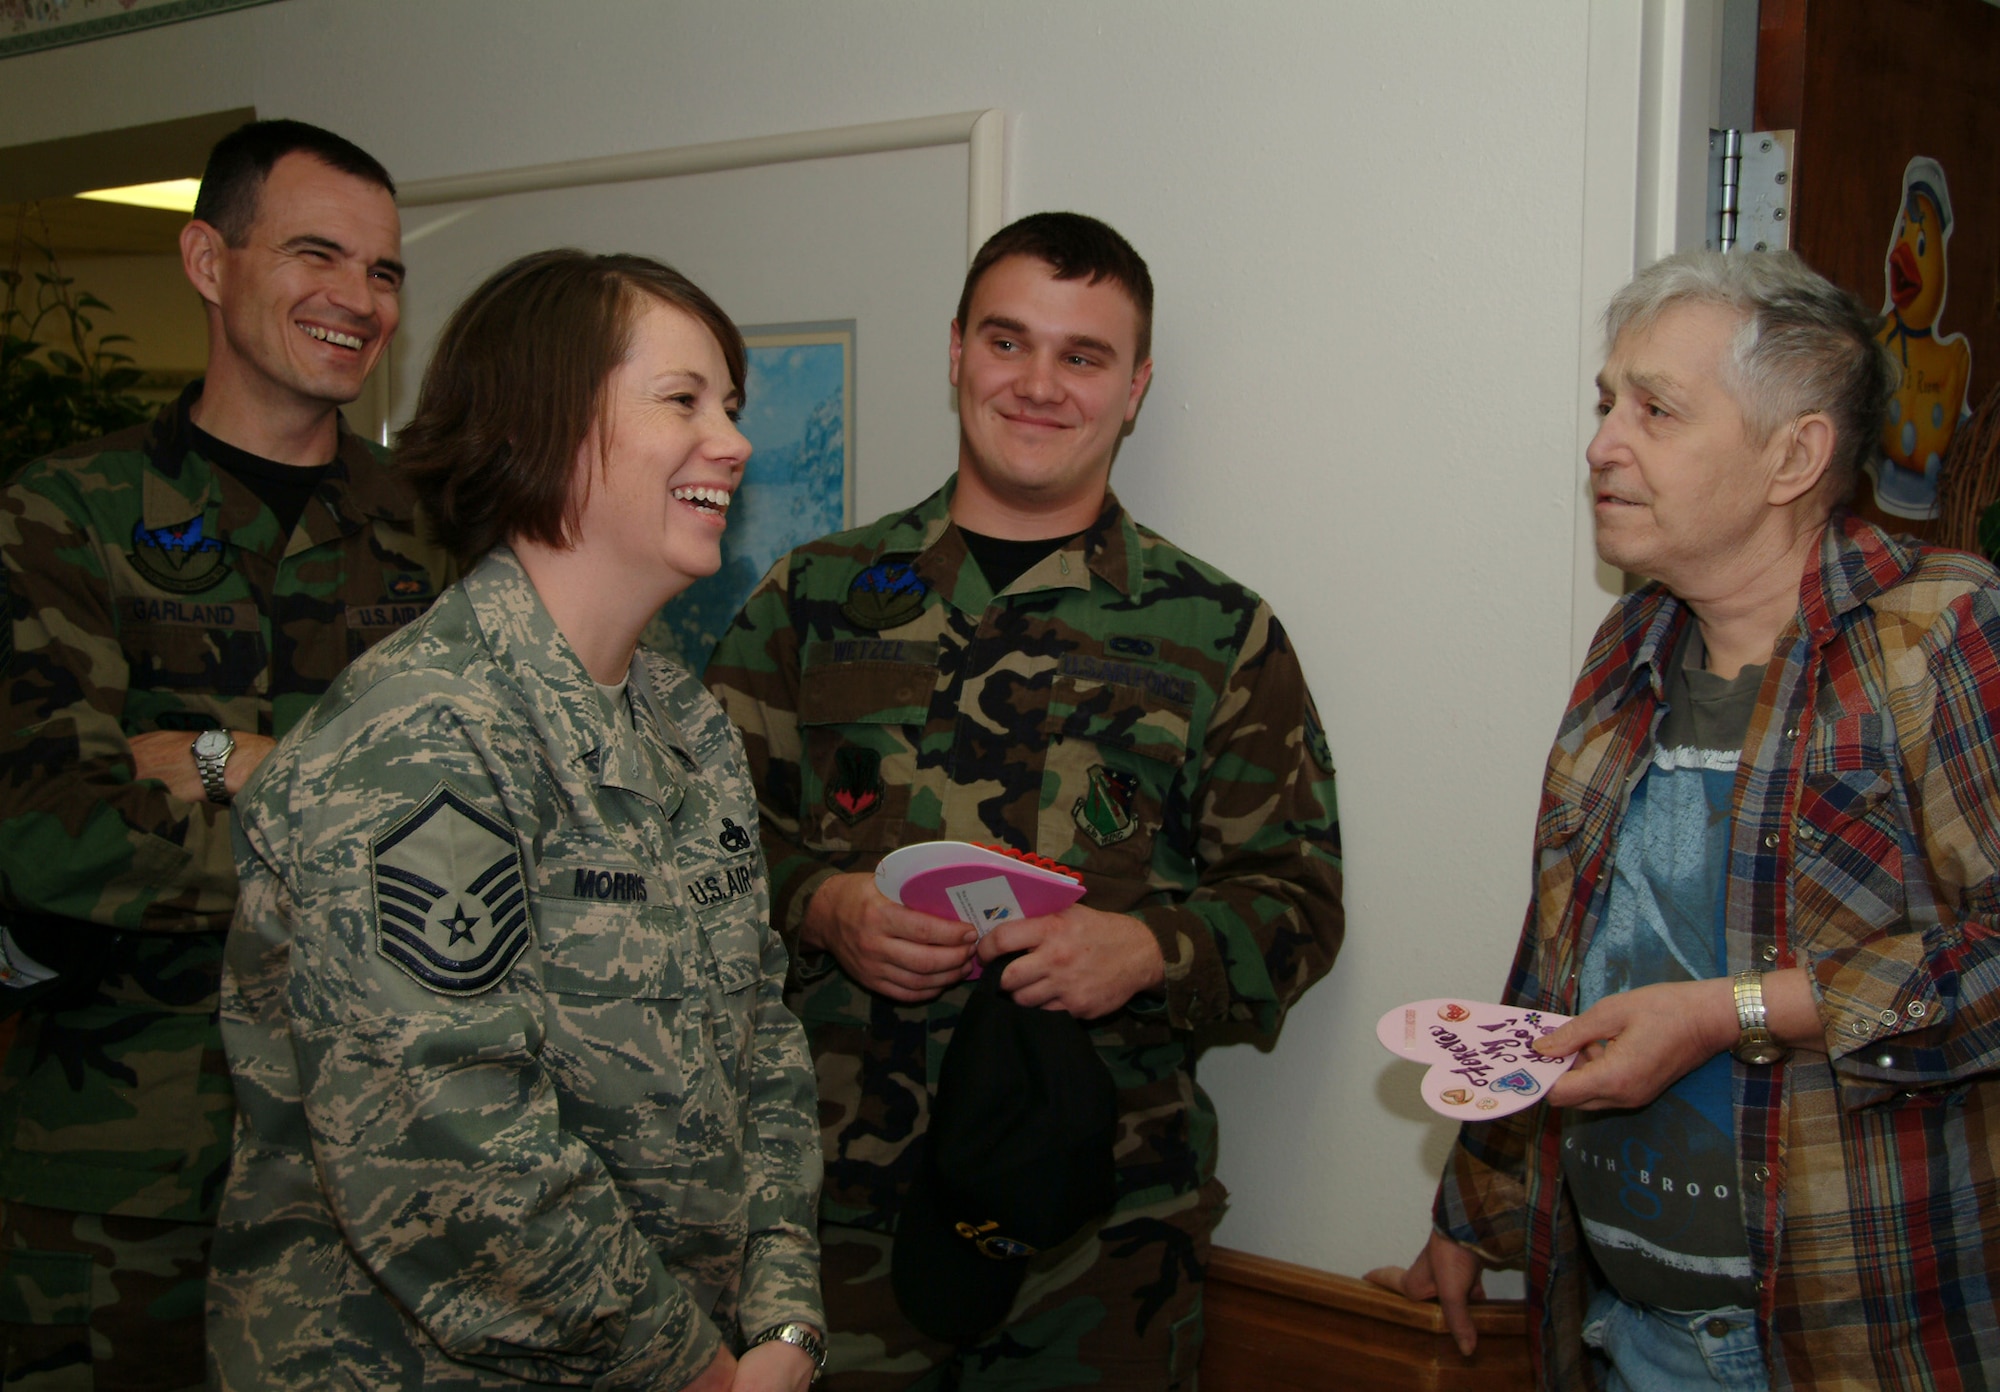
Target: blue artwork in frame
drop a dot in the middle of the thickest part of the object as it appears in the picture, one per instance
(798, 486)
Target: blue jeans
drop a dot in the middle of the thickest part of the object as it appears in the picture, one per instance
(1664, 1351)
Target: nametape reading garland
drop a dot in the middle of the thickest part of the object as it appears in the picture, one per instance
(1482, 1065)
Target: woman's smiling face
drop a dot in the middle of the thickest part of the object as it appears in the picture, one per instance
(655, 479)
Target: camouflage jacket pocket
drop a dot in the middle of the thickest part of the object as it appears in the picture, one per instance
(1109, 780)
(627, 1046)
(172, 657)
(600, 938)
(722, 894)
(859, 723)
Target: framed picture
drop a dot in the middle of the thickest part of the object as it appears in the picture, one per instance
(26, 25)
(799, 484)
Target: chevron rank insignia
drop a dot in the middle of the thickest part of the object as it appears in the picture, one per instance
(450, 904)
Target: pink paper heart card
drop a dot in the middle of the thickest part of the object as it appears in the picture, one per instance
(1481, 1064)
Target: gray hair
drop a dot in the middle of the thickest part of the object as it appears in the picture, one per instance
(1805, 344)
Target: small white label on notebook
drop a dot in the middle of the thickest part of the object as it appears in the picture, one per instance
(985, 904)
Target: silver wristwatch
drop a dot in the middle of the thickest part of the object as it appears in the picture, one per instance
(799, 1336)
(212, 749)
(1755, 1044)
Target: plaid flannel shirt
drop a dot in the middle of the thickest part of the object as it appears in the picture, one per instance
(1866, 847)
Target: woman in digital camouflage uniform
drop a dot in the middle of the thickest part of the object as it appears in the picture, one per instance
(520, 1101)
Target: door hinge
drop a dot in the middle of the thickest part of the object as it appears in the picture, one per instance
(1749, 190)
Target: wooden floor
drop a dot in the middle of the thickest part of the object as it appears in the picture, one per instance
(1273, 1326)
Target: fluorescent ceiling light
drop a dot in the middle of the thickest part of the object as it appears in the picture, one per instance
(174, 194)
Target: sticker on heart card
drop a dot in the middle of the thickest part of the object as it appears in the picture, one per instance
(1482, 1062)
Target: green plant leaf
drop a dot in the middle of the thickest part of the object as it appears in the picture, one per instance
(50, 397)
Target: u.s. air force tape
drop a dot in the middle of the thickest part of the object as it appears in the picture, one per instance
(450, 899)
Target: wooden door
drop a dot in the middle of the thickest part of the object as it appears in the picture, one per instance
(1871, 86)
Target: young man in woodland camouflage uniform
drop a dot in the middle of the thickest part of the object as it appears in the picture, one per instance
(177, 596)
(1015, 660)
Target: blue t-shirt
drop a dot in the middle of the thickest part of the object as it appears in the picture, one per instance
(1656, 1187)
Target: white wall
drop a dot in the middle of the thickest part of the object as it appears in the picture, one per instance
(877, 239)
(1377, 268)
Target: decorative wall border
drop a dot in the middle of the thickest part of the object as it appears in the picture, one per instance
(27, 26)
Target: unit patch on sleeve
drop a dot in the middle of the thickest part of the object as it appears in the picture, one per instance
(181, 558)
(450, 904)
(1316, 745)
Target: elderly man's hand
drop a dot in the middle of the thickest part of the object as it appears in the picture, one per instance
(1444, 1272)
(1081, 960)
(893, 951)
(1637, 1044)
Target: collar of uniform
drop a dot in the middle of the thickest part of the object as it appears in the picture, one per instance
(668, 743)
(1111, 546)
(1108, 548)
(367, 489)
(182, 482)
(581, 729)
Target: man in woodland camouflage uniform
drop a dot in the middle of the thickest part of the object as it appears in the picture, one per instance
(207, 575)
(1015, 660)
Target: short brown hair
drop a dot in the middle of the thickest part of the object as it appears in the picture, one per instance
(1075, 247)
(233, 182)
(517, 382)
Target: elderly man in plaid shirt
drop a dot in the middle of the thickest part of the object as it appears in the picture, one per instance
(1768, 877)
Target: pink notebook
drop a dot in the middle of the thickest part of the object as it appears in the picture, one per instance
(986, 888)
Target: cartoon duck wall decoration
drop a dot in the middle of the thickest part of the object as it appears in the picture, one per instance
(1928, 404)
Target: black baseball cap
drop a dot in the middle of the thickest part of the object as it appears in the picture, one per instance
(1017, 1160)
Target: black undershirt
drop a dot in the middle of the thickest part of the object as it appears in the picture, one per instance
(283, 488)
(1003, 561)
